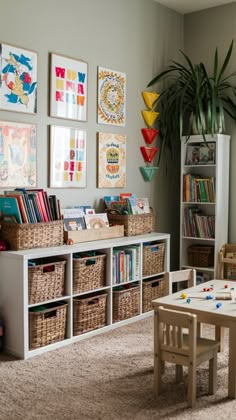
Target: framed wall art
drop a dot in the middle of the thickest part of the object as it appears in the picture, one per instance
(67, 157)
(111, 160)
(69, 88)
(17, 154)
(18, 76)
(111, 97)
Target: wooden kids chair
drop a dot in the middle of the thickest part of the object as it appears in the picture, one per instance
(177, 277)
(172, 345)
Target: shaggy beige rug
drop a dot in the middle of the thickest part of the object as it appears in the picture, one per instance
(106, 377)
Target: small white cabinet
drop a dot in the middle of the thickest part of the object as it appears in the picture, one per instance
(14, 304)
(218, 171)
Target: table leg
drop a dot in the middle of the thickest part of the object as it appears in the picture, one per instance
(232, 362)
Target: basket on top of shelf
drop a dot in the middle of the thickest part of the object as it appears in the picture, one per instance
(31, 235)
(47, 324)
(134, 224)
(227, 262)
(152, 289)
(88, 272)
(89, 312)
(126, 302)
(46, 279)
(153, 258)
(200, 255)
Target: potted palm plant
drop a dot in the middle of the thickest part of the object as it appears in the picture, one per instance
(189, 93)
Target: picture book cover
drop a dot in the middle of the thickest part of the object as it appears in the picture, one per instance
(9, 207)
(192, 155)
(207, 153)
(139, 205)
(76, 223)
(96, 221)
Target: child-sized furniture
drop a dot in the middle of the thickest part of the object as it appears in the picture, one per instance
(174, 346)
(227, 262)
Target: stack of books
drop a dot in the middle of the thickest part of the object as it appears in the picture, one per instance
(83, 217)
(127, 203)
(29, 206)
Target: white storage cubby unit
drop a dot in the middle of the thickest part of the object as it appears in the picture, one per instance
(219, 170)
(14, 303)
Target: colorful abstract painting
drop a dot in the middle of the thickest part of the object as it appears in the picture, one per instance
(67, 157)
(18, 79)
(17, 154)
(111, 97)
(111, 160)
(69, 86)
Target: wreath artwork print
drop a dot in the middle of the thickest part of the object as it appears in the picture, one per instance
(111, 97)
(18, 79)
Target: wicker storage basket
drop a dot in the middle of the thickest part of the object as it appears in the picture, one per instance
(88, 273)
(126, 302)
(201, 255)
(136, 224)
(46, 280)
(152, 289)
(47, 325)
(89, 313)
(153, 258)
(32, 235)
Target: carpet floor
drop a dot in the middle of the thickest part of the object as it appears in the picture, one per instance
(109, 376)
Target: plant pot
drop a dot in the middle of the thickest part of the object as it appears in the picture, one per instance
(205, 127)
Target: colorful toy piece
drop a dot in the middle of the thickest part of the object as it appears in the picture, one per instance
(232, 288)
(218, 305)
(188, 300)
(208, 297)
(183, 295)
(226, 286)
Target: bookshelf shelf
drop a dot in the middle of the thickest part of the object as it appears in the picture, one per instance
(14, 301)
(211, 217)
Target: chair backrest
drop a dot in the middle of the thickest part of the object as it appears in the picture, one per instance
(174, 344)
(171, 277)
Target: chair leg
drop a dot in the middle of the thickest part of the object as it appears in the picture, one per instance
(220, 336)
(192, 385)
(179, 373)
(212, 375)
(158, 366)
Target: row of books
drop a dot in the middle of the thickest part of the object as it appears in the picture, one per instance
(29, 206)
(197, 224)
(127, 203)
(198, 189)
(126, 264)
(201, 154)
(83, 217)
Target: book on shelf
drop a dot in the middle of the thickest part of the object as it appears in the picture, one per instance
(207, 153)
(9, 207)
(138, 205)
(201, 153)
(120, 206)
(34, 205)
(192, 154)
(76, 223)
(109, 198)
(96, 221)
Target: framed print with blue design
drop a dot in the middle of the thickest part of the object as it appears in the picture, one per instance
(17, 155)
(67, 157)
(18, 79)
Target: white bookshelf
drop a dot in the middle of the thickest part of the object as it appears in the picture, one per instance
(14, 304)
(219, 208)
